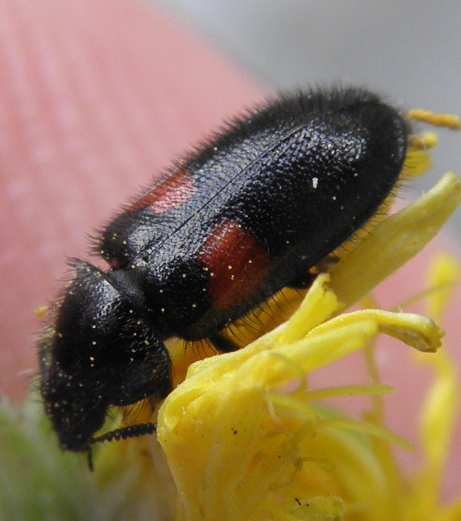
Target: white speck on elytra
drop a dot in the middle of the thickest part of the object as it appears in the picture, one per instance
(315, 182)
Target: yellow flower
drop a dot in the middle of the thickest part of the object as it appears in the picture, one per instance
(247, 438)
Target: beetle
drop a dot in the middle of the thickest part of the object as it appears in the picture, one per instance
(249, 213)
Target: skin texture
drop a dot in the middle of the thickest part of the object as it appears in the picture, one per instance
(96, 98)
(87, 120)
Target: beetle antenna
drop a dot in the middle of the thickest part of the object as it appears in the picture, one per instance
(124, 433)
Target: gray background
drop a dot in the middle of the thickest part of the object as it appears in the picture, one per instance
(408, 50)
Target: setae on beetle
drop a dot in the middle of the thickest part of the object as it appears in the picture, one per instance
(248, 214)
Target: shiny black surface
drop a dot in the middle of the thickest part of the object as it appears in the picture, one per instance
(296, 179)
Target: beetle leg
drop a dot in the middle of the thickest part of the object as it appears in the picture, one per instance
(222, 343)
(124, 433)
(302, 281)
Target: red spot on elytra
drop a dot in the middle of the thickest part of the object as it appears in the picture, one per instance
(168, 194)
(236, 262)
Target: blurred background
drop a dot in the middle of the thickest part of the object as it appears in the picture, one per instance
(409, 51)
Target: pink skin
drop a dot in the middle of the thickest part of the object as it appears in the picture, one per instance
(97, 97)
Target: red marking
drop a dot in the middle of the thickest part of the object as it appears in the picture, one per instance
(236, 262)
(169, 194)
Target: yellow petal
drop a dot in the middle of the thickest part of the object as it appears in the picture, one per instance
(417, 163)
(451, 121)
(319, 509)
(394, 242)
(444, 274)
(451, 513)
(442, 403)
(308, 354)
(369, 428)
(415, 330)
(319, 305)
(440, 410)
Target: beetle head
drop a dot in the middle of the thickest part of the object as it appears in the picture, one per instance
(101, 352)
